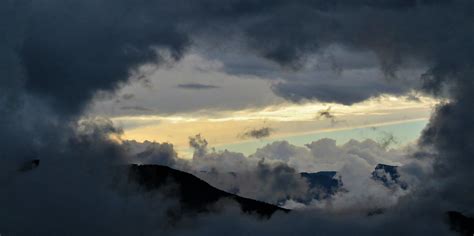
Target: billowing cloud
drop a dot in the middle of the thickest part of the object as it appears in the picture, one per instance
(199, 144)
(57, 55)
(272, 174)
(70, 51)
(140, 34)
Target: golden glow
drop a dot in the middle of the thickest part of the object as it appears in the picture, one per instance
(225, 127)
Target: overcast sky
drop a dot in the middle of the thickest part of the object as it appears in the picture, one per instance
(245, 94)
(224, 95)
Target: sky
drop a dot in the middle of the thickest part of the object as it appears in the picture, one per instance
(202, 95)
(245, 95)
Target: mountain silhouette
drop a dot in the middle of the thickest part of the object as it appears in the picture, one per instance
(194, 194)
(388, 175)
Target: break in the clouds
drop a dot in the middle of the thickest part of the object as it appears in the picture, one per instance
(163, 94)
(56, 56)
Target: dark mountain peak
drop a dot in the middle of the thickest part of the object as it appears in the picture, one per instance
(322, 179)
(392, 170)
(320, 173)
(193, 193)
(321, 185)
(388, 175)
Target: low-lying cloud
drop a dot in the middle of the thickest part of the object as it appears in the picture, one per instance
(57, 55)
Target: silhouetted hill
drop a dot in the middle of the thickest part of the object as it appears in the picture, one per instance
(194, 194)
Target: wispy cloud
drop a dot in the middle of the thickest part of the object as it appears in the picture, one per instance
(136, 108)
(197, 86)
(259, 133)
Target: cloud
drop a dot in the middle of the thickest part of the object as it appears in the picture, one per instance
(57, 55)
(166, 98)
(260, 133)
(136, 108)
(267, 29)
(152, 153)
(338, 91)
(308, 222)
(272, 173)
(327, 114)
(82, 170)
(197, 86)
(142, 36)
(269, 182)
(333, 74)
(128, 96)
(199, 144)
(69, 57)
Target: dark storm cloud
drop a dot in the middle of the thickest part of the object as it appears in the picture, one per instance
(346, 94)
(69, 50)
(311, 222)
(289, 32)
(450, 133)
(56, 55)
(327, 80)
(197, 86)
(440, 34)
(393, 33)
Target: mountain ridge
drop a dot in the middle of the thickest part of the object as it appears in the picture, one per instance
(193, 193)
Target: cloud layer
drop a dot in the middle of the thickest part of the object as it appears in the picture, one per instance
(57, 55)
